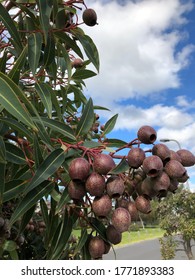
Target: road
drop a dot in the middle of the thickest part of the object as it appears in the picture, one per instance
(144, 250)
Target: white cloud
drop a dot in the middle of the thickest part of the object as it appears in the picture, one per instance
(137, 47)
(184, 103)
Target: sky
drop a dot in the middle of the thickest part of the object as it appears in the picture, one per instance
(147, 68)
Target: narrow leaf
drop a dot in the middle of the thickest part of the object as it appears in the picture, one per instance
(56, 105)
(82, 74)
(86, 120)
(3, 61)
(13, 189)
(26, 218)
(99, 227)
(82, 241)
(18, 127)
(45, 92)
(67, 61)
(34, 50)
(2, 151)
(9, 93)
(64, 38)
(14, 154)
(63, 200)
(49, 51)
(11, 27)
(114, 143)
(121, 167)
(64, 235)
(45, 8)
(44, 211)
(109, 125)
(57, 126)
(14, 73)
(47, 168)
(89, 48)
(31, 199)
(2, 168)
(37, 152)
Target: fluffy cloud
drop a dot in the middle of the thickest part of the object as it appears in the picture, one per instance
(138, 48)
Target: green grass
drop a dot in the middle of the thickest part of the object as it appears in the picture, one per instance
(135, 236)
(141, 235)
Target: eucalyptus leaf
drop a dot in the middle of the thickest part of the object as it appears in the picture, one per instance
(121, 167)
(9, 99)
(11, 27)
(45, 8)
(109, 125)
(60, 127)
(86, 120)
(89, 48)
(45, 92)
(14, 73)
(31, 199)
(34, 50)
(46, 169)
(81, 74)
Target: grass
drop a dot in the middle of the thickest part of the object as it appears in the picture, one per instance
(135, 236)
(140, 235)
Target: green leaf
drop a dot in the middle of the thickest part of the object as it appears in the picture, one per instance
(62, 128)
(81, 74)
(14, 73)
(18, 127)
(2, 168)
(99, 227)
(37, 151)
(14, 154)
(3, 61)
(44, 211)
(47, 168)
(49, 51)
(13, 189)
(64, 234)
(11, 27)
(34, 50)
(45, 92)
(89, 48)
(114, 143)
(86, 120)
(2, 151)
(67, 60)
(45, 8)
(31, 199)
(56, 105)
(121, 167)
(82, 241)
(63, 200)
(9, 245)
(26, 218)
(97, 107)
(69, 42)
(14, 254)
(9, 93)
(109, 125)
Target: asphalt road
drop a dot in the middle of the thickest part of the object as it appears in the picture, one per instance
(144, 250)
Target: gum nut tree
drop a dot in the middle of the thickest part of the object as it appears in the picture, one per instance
(54, 156)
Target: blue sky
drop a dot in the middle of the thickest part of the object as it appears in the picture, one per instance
(147, 56)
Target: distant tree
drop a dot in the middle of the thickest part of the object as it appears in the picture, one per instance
(177, 217)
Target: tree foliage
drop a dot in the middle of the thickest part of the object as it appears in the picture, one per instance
(177, 217)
